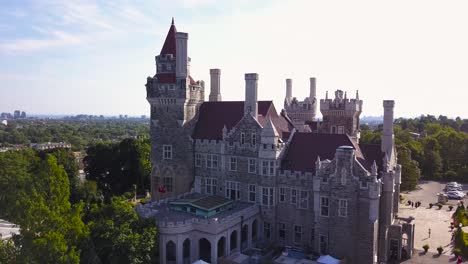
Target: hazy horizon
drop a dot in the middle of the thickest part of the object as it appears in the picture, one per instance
(85, 57)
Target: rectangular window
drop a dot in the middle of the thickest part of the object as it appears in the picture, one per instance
(211, 161)
(267, 196)
(233, 164)
(297, 234)
(252, 193)
(167, 151)
(168, 184)
(364, 184)
(293, 196)
(171, 86)
(304, 200)
(323, 244)
(252, 165)
(242, 138)
(324, 179)
(272, 168)
(211, 186)
(253, 139)
(198, 160)
(264, 167)
(232, 190)
(342, 208)
(340, 129)
(266, 230)
(282, 194)
(324, 206)
(282, 231)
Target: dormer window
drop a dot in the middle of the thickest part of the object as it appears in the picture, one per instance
(253, 140)
(242, 138)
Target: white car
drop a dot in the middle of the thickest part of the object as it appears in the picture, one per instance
(455, 195)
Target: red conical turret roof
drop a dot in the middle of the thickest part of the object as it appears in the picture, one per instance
(169, 46)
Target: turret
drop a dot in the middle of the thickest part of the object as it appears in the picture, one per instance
(215, 77)
(269, 139)
(388, 141)
(251, 104)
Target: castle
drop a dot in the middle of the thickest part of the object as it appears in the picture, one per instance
(234, 177)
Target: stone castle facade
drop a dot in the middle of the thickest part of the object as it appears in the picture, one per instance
(230, 177)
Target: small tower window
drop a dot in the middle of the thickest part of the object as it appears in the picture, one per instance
(242, 138)
(167, 151)
(254, 139)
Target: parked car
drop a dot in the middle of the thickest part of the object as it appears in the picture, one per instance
(455, 195)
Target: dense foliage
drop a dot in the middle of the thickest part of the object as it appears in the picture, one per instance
(59, 228)
(79, 133)
(116, 167)
(435, 147)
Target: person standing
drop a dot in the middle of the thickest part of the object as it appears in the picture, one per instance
(429, 231)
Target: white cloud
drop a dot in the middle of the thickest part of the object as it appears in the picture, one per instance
(55, 39)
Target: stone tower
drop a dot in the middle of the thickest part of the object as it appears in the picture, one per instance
(341, 115)
(301, 112)
(174, 98)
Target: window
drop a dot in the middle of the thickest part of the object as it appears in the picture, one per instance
(242, 138)
(324, 179)
(198, 160)
(266, 230)
(252, 165)
(232, 190)
(167, 151)
(293, 196)
(323, 245)
(233, 164)
(342, 208)
(304, 200)
(211, 161)
(324, 206)
(268, 168)
(169, 67)
(168, 182)
(267, 196)
(333, 130)
(312, 236)
(297, 234)
(253, 139)
(341, 130)
(161, 87)
(252, 193)
(364, 184)
(282, 231)
(282, 194)
(211, 185)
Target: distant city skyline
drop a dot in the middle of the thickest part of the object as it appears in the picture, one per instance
(92, 57)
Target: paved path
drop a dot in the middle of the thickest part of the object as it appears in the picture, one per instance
(420, 257)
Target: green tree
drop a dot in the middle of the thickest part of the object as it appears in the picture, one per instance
(410, 172)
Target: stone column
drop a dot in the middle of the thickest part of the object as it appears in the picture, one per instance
(239, 239)
(162, 251)
(214, 251)
(227, 251)
(249, 235)
(179, 251)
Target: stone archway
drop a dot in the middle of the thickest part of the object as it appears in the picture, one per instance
(186, 251)
(204, 247)
(221, 247)
(170, 252)
(244, 236)
(233, 240)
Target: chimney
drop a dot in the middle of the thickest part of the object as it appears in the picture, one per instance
(313, 90)
(181, 55)
(387, 134)
(288, 90)
(215, 77)
(250, 104)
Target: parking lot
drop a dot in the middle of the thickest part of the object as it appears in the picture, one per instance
(438, 221)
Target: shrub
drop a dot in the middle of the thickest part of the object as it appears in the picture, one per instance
(143, 201)
(440, 249)
(440, 206)
(450, 207)
(426, 247)
(457, 252)
(430, 205)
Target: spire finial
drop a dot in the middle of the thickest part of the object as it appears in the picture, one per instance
(172, 21)
(345, 95)
(326, 95)
(357, 94)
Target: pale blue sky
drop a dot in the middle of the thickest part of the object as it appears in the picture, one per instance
(93, 57)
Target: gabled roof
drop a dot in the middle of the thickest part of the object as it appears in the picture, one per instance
(169, 46)
(215, 115)
(304, 149)
(373, 152)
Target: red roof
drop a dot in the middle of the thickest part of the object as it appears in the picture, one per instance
(373, 152)
(169, 46)
(171, 78)
(304, 149)
(215, 115)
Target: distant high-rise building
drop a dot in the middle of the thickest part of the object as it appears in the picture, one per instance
(23, 114)
(17, 114)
